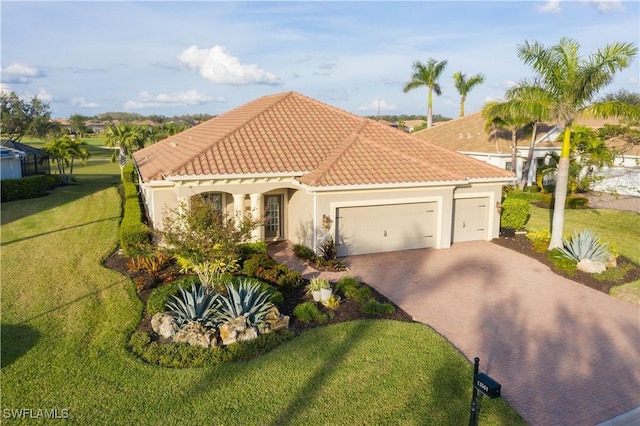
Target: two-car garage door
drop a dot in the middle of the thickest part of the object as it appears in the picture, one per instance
(391, 227)
(381, 228)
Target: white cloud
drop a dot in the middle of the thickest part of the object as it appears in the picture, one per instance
(551, 6)
(191, 97)
(4, 88)
(508, 84)
(606, 5)
(82, 103)
(19, 73)
(376, 105)
(42, 94)
(220, 66)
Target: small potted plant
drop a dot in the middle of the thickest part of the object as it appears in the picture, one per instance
(325, 290)
(314, 286)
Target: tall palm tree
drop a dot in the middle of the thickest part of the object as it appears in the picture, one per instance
(427, 75)
(464, 86)
(571, 83)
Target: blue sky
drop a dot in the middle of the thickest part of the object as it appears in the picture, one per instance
(174, 58)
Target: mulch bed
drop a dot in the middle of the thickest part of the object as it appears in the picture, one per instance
(347, 311)
(521, 244)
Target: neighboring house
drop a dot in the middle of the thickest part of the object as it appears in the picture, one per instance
(470, 136)
(34, 161)
(96, 127)
(315, 171)
(10, 160)
(623, 177)
(410, 126)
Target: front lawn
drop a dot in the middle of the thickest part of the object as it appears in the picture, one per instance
(66, 320)
(618, 227)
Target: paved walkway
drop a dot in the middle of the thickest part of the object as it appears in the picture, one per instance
(565, 354)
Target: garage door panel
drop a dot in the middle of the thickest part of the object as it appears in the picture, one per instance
(470, 219)
(372, 229)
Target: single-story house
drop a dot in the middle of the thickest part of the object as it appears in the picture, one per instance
(10, 160)
(470, 136)
(315, 171)
(34, 161)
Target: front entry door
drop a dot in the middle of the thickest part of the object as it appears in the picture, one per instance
(273, 213)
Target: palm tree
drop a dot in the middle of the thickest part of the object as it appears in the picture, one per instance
(124, 137)
(465, 85)
(571, 83)
(533, 108)
(77, 148)
(427, 75)
(499, 115)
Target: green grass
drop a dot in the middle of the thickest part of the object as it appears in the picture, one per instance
(66, 321)
(612, 226)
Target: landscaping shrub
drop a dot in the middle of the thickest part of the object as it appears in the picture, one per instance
(347, 283)
(304, 253)
(308, 312)
(515, 213)
(563, 263)
(134, 234)
(159, 296)
(263, 267)
(573, 201)
(540, 239)
(25, 188)
(372, 306)
(328, 249)
(246, 250)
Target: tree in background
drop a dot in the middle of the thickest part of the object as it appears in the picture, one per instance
(76, 121)
(464, 86)
(20, 117)
(571, 83)
(64, 150)
(427, 75)
(124, 138)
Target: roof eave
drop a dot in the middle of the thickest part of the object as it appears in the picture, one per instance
(311, 188)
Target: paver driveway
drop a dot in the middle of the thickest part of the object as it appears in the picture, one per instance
(565, 354)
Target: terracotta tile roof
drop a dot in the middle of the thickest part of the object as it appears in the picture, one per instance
(289, 133)
(468, 134)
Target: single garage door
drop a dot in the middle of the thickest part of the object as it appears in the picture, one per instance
(470, 219)
(374, 229)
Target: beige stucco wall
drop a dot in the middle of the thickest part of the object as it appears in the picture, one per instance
(303, 209)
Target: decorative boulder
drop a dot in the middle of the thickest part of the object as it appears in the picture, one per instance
(273, 321)
(164, 324)
(237, 331)
(195, 334)
(612, 262)
(591, 266)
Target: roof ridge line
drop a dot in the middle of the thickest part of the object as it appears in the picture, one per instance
(209, 148)
(337, 153)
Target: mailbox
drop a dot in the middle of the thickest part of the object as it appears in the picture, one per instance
(487, 385)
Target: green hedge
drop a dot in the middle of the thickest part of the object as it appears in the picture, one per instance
(28, 187)
(573, 201)
(134, 234)
(515, 213)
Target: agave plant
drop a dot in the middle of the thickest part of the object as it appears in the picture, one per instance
(584, 245)
(198, 305)
(245, 300)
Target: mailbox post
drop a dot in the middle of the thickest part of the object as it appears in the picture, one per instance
(486, 385)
